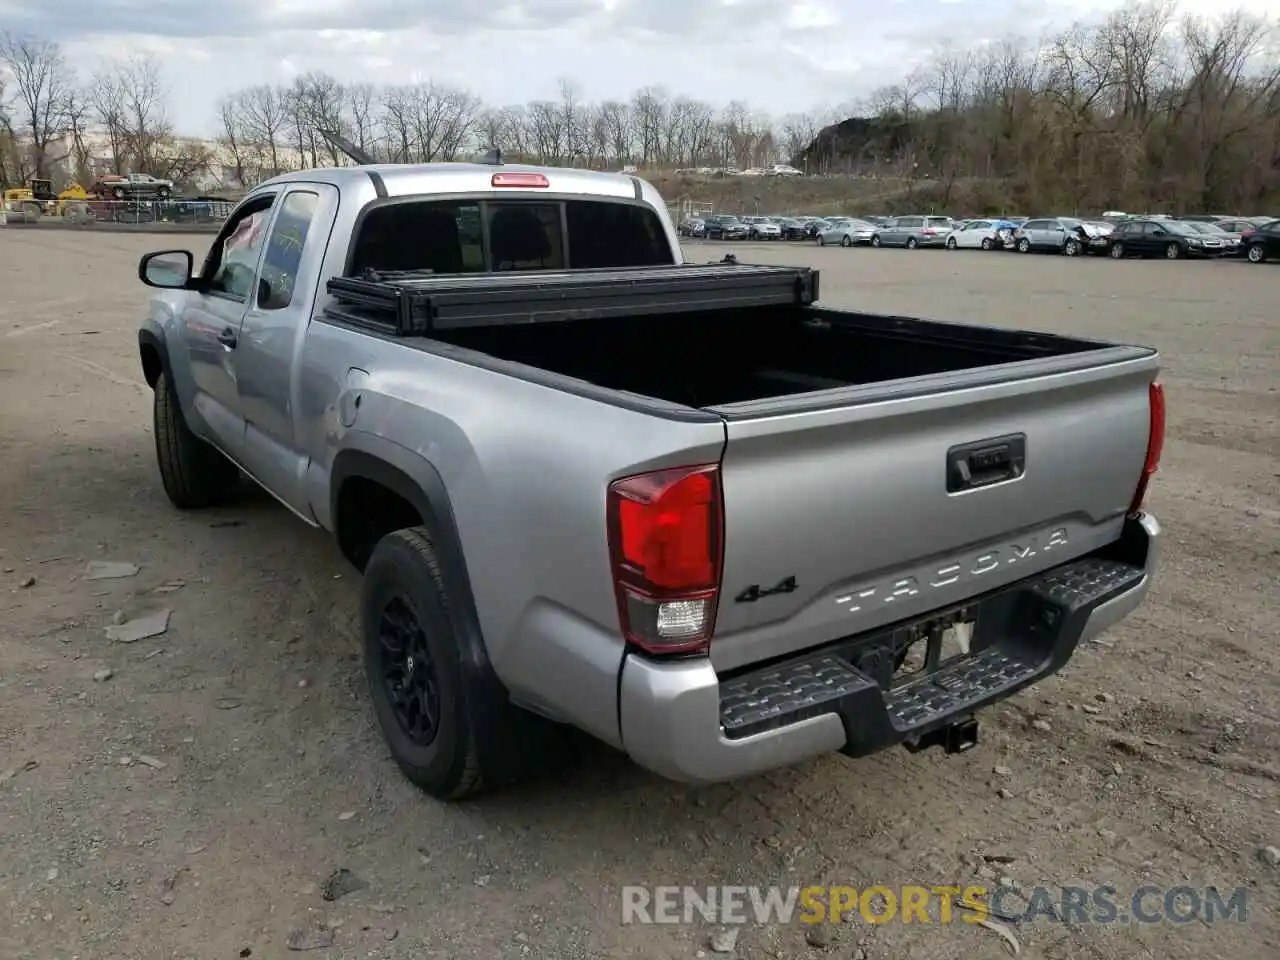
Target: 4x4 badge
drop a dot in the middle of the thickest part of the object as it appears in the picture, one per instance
(756, 592)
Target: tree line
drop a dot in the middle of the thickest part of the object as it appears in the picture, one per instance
(48, 116)
(1144, 108)
(430, 121)
(1147, 109)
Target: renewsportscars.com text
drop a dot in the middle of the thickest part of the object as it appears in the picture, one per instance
(939, 903)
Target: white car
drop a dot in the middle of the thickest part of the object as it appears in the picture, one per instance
(847, 232)
(977, 235)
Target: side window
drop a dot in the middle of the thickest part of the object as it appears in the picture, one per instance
(911, 223)
(525, 236)
(284, 249)
(234, 260)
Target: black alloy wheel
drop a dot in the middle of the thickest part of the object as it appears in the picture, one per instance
(408, 672)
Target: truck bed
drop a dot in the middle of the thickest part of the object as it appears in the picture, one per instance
(734, 356)
(875, 469)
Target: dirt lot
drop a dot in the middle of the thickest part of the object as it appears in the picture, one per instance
(193, 802)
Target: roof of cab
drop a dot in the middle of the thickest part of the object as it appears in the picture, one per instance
(425, 178)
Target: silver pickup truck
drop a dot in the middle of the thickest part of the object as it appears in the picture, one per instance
(680, 507)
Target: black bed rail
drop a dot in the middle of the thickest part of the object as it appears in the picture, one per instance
(415, 303)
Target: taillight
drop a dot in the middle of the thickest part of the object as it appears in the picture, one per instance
(1155, 445)
(666, 531)
(519, 180)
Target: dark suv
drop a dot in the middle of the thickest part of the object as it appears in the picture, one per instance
(722, 226)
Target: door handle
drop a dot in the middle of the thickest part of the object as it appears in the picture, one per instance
(228, 338)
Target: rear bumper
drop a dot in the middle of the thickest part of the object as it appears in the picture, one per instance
(681, 721)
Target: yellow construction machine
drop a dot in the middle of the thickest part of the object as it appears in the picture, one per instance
(37, 198)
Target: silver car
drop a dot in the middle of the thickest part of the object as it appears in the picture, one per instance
(846, 232)
(1065, 235)
(913, 232)
(763, 228)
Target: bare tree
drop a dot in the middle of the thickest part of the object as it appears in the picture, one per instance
(798, 131)
(234, 142)
(572, 122)
(361, 107)
(266, 115)
(106, 99)
(648, 108)
(43, 85)
(146, 126)
(617, 122)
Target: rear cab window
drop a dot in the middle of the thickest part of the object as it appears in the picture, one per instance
(480, 235)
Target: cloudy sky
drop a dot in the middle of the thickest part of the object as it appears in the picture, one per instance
(779, 55)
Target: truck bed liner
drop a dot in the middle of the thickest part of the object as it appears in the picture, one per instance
(772, 359)
(415, 303)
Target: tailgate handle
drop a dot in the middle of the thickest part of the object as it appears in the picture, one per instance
(984, 462)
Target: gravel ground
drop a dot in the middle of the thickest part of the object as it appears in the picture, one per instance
(188, 795)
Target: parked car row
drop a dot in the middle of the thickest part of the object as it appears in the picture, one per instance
(1118, 236)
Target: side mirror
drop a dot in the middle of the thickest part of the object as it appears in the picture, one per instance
(167, 269)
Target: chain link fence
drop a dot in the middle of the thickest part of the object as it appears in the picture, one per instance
(176, 212)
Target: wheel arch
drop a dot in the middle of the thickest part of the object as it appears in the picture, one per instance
(417, 482)
(154, 355)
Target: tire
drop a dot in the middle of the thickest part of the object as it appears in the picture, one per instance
(1172, 252)
(821, 241)
(1070, 248)
(951, 243)
(875, 239)
(194, 474)
(1257, 253)
(118, 193)
(1024, 245)
(912, 243)
(845, 241)
(986, 243)
(1117, 251)
(163, 193)
(406, 604)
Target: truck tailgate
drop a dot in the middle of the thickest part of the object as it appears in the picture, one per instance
(844, 517)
